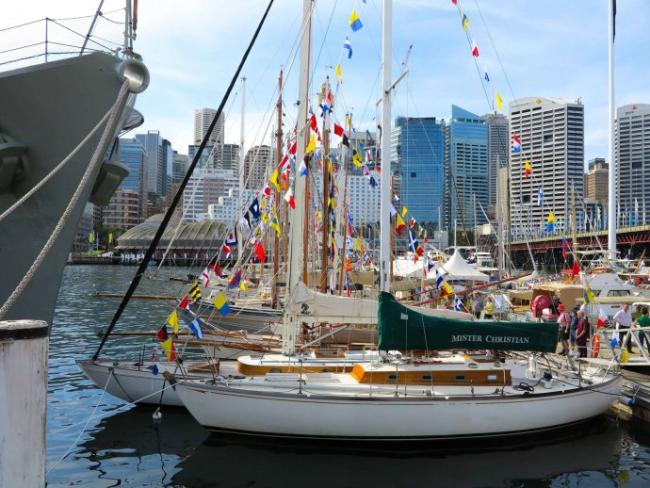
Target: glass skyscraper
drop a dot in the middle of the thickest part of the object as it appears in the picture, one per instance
(132, 154)
(418, 146)
(468, 163)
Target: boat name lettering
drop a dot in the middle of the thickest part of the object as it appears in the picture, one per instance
(490, 339)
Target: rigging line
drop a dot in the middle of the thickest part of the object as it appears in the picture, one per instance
(22, 47)
(90, 16)
(22, 25)
(79, 34)
(496, 52)
(177, 196)
(103, 16)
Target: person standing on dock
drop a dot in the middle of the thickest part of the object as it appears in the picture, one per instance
(564, 321)
(623, 321)
(643, 321)
(582, 334)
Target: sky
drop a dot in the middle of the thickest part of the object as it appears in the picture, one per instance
(547, 48)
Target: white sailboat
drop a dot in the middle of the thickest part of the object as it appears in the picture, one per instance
(394, 397)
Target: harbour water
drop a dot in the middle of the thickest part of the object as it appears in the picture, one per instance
(95, 440)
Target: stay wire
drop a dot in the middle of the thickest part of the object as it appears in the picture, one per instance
(165, 222)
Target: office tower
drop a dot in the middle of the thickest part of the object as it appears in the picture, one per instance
(633, 163)
(498, 150)
(596, 180)
(551, 132)
(202, 119)
(256, 164)
(417, 146)
(468, 162)
(154, 164)
(227, 157)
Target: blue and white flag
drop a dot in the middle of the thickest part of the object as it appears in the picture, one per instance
(540, 197)
(430, 267)
(487, 78)
(195, 327)
(348, 45)
(458, 305)
(439, 279)
(302, 169)
(413, 243)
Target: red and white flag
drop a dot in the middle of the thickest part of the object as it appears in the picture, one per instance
(602, 319)
(288, 197)
(474, 49)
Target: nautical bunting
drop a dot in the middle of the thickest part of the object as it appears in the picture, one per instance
(516, 143)
(528, 169)
(475, 52)
(497, 97)
(221, 304)
(347, 45)
(172, 321)
(355, 21)
(195, 292)
(195, 327)
(338, 71)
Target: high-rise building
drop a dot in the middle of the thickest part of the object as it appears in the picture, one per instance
(256, 163)
(154, 173)
(208, 156)
(179, 167)
(226, 208)
(227, 157)
(498, 150)
(202, 119)
(596, 181)
(551, 132)
(468, 162)
(132, 154)
(167, 166)
(124, 210)
(633, 158)
(204, 188)
(417, 145)
(364, 201)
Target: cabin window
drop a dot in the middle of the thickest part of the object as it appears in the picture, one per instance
(427, 377)
(618, 293)
(392, 377)
(460, 377)
(491, 377)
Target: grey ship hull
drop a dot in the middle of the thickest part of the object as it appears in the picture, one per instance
(49, 108)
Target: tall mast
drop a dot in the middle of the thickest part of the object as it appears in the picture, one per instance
(343, 219)
(278, 159)
(298, 215)
(385, 228)
(240, 193)
(611, 207)
(326, 192)
(296, 246)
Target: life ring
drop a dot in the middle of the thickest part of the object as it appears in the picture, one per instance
(595, 346)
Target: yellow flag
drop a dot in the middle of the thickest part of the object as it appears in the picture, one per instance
(404, 211)
(166, 345)
(551, 218)
(274, 179)
(242, 285)
(91, 237)
(338, 71)
(172, 321)
(311, 147)
(357, 244)
(499, 101)
(625, 355)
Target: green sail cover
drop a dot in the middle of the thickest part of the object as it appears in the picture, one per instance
(404, 328)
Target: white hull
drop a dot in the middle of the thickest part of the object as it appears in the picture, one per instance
(136, 384)
(385, 417)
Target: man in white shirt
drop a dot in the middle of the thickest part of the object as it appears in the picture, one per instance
(623, 321)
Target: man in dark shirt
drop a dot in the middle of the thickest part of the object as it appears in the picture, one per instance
(582, 334)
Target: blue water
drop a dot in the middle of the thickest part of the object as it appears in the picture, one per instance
(126, 448)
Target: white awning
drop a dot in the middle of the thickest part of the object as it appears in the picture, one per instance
(456, 268)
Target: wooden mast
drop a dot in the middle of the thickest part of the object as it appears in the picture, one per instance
(326, 191)
(278, 159)
(344, 161)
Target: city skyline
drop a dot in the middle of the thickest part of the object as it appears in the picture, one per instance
(562, 52)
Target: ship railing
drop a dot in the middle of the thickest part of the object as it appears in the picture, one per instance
(57, 38)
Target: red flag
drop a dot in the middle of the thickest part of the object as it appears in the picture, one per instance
(285, 160)
(226, 250)
(474, 49)
(162, 334)
(455, 2)
(293, 148)
(266, 190)
(216, 269)
(289, 198)
(184, 303)
(338, 130)
(259, 252)
(171, 354)
(575, 270)
(313, 123)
